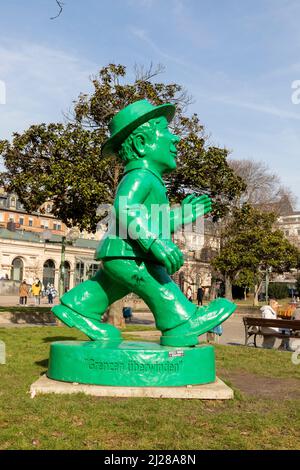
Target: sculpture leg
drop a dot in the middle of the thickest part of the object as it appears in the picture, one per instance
(83, 306)
(180, 321)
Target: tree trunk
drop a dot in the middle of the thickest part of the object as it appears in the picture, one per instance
(116, 178)
(256, 291)
(115, 314)
(245, 293)
(213, 290)
(228, 287)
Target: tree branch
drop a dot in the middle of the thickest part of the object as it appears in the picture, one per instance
(60, 5)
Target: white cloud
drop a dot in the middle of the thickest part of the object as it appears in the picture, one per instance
(266, 109)
(143, 36)
(142, 3)
(41, 83)
(252, 101)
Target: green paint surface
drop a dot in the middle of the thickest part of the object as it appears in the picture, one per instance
(131, 363)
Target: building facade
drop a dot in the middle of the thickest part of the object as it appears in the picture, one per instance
(199, 244)
(290, 225)
(12, 213)
(25, 255)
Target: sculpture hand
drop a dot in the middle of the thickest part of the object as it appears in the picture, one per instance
(168, 254)
(200, 205)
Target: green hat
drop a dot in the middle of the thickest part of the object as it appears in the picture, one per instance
(131, 117)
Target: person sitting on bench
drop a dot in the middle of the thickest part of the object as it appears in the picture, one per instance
(270, 312)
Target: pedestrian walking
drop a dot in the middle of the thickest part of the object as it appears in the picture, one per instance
(23, 292)
(189, 293)
(51, 293)
(200, 296)
(36, 290)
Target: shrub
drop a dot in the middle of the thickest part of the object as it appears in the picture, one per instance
(278, 290)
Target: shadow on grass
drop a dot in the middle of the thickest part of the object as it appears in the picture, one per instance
(26, 308)
(139, 321)
(33, 317)
(51, 339)
(43, 363)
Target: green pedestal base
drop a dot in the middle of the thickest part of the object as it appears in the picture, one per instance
(131, 364)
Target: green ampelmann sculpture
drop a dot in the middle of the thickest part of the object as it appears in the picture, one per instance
(138, 255)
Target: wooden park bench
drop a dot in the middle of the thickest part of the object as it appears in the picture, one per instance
(254, 325)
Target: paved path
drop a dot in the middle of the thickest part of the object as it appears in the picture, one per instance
(13, 301)
(233, 328)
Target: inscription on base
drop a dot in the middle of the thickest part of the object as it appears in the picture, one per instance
(134, 366)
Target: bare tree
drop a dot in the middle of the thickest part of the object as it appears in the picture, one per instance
(264, 188)
(262, 184)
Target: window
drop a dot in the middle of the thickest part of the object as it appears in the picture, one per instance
(30, 223)
(16, 273)
(56, 226)
(11, 218)
(44, 224)
(21, 220)
(67, 271)
(13, 202)
(92, 269)
(49, 272)
(79, 272)
(206, 254)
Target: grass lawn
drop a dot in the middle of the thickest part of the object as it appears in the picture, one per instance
(265, 413)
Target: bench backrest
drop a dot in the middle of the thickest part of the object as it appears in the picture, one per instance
(257, 321)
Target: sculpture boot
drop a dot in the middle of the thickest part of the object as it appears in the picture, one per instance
(94, 329)
(202, 321)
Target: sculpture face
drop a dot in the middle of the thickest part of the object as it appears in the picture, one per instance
(161, 149)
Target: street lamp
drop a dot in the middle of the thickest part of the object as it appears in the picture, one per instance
(65, 240)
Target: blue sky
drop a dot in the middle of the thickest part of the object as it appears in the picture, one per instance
(237, 58)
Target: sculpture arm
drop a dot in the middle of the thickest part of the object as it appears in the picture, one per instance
(191, 208)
